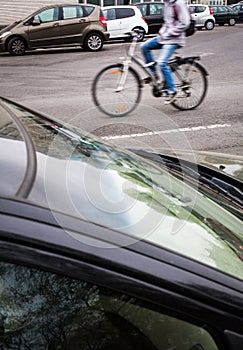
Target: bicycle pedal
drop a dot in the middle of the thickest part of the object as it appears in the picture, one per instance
(150, 64)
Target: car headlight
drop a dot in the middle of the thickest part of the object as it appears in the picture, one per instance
(5, 34)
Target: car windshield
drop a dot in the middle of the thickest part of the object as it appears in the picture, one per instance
(69, 171)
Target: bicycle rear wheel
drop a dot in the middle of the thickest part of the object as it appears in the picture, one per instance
(113, 96)
(191, 83)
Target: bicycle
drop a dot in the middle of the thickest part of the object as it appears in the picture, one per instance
(117, 88)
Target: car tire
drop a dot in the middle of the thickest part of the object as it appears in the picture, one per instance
(93, 42)
(232, 22)
(141, 35)
(16, 46)
(209, 25)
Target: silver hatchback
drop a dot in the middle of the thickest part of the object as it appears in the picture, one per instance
(203, 16)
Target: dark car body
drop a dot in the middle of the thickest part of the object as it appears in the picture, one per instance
(104, 248)
(56, 26)
(239, 9)
(224, 15)
(153, 14)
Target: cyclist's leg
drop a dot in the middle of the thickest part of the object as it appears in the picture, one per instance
(165, 54)
(146, 47)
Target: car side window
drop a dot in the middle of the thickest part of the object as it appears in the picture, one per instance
(156, 9)
(109, 14)
(143, 9)
(200, 9)
(123, 13)
(41, 310)
(192, 9)
(48, 15)
(88, 9)
(70, 12)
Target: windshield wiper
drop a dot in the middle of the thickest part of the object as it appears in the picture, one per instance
(203, 175)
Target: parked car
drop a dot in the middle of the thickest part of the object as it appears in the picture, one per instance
(153, 14)
(56, 26)
(203, 16)
(122, 19)
(104, 248)
(224, 15)
(239, 9)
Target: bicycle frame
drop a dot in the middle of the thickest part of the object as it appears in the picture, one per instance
(174, 63)
(132, 58)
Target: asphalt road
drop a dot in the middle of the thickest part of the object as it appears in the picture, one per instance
(57, 82)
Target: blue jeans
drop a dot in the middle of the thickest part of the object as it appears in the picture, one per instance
(166, 51)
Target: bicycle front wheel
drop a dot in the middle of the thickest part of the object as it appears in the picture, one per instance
(191, 83)
(116, 92)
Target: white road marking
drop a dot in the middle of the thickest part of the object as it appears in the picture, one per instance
(170, 131)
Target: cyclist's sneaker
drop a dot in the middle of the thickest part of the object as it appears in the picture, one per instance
(148, 80)
(170, 98)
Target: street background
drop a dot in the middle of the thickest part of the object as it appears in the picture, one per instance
(58, 82)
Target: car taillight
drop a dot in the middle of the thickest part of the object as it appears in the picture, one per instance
(144, 19)
(103, 21)
(210, 11)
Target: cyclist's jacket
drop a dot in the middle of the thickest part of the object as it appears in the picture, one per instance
(176, 21)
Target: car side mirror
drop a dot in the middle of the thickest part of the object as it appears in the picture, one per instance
(35, 22)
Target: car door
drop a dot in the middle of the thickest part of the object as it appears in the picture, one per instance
(126, 17)
(198, 14)
(221, 15)
(240, 13)
(113, 23)
(155, 16)
(44, 28)
(72, 24)
(239, 10)
(66, 288)
(225, 15)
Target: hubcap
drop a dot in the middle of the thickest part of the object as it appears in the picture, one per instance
(94, 42)
(18, 47)
(209, 25)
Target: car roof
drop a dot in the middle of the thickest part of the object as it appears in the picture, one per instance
(118, 6)
(149, 2)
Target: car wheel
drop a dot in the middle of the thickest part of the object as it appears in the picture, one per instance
(93, 42)
(209, 25)
(232, 22)
(16, 46)
(141, 33)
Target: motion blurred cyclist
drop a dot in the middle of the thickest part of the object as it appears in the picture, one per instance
(171, 37)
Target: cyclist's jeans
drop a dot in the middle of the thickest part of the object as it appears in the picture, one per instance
(166, 51)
